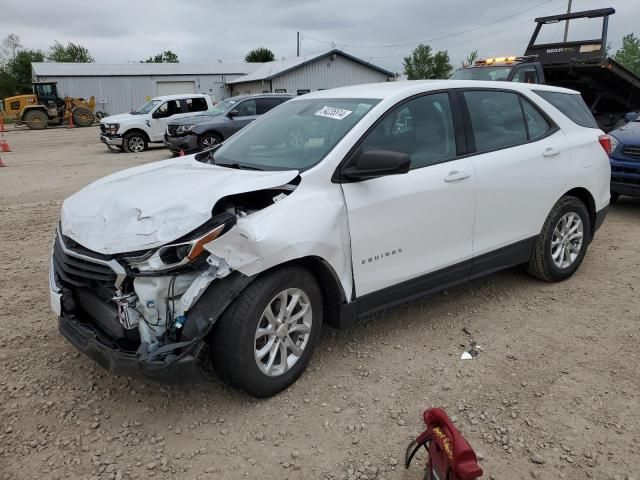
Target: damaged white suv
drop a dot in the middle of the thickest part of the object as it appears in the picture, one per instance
(332, 206)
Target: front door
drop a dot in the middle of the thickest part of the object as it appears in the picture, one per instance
(169, 110)
(244, 113)
(404, 227)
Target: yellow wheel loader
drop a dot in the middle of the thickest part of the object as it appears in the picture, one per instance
(45, 107)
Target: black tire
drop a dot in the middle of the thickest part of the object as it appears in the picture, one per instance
(233, 341)
(36, 120)
(542, 265)
(135, 142)
(614, 197)
(82, 117)
(209, 140)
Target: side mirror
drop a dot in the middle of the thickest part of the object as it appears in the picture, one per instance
(156, 114)
(630, 117)
(377, 163)
(234, 113)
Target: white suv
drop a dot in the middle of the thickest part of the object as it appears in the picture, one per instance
(393, 191)
(132, 132)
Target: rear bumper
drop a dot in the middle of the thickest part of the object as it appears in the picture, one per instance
(625, 188)
(600, 216)
(186, 143)
(111, 140)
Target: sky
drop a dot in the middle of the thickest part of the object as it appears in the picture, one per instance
(202, 31)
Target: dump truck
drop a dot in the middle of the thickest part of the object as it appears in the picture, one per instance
(608, 88)
(44, 107)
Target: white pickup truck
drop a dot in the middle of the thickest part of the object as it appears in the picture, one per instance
(132, 132)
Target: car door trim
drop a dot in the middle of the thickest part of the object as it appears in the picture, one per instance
(434, 282)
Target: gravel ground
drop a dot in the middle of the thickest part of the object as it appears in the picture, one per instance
(553, 394)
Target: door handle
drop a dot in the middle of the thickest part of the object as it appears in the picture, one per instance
(551, 152)
(456, 175)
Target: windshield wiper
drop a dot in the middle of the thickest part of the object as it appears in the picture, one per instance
(236, 165)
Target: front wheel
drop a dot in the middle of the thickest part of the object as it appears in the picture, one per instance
(134, 142)
(209, 140)
(265, 339)
(82, 117)
(562, 244)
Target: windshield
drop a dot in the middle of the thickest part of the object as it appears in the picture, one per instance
(146, 108)
(294, 136)
(222, 107)
(482, 73)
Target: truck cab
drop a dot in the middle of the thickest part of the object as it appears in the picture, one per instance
(509, 69)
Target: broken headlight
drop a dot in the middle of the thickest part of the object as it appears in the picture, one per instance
(182, 252)
(182, 129)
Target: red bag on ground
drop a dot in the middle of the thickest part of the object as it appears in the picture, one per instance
(450, 455)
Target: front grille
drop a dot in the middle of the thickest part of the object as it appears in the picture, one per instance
(171, 130)
(81, 272)
(631, 151)
(103, 128)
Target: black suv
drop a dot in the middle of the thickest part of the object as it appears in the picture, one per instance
(194, 134)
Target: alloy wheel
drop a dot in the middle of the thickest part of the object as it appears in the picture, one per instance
(567, 240)
(283, 332)
(136, 144)
(209, 142)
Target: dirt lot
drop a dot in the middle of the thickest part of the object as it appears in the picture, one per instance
(553, 394)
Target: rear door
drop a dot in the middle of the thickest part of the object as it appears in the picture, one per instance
(523, 166)
(263, 105)
(404, 227)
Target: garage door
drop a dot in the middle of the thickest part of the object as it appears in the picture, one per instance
(175, 88)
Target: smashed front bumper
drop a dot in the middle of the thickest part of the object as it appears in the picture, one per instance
(172, 362)
(186, 143)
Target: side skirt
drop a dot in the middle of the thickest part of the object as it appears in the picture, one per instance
(434, 282)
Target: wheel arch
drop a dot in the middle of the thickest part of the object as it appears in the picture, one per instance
(32, 108)
(211, 131)
(137, 130)
(585, 197)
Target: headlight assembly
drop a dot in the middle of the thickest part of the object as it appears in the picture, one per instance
(180, 253)
(113, 128)
(614, 143)
(182, 129)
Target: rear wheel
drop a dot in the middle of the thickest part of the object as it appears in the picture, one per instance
(265, 339)
(562, 244)
(209, 140)
(134, 142)
(82, 117)
(36, 120)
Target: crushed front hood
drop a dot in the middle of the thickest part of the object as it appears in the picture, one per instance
(148, 206)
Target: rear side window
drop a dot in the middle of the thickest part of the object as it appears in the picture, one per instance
(496, 119)
(263, 105)
(537, 125)
(198, 104)
(572, 106)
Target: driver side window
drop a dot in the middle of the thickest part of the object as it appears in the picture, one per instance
(167, 109)
(247, 108)
(422, 128)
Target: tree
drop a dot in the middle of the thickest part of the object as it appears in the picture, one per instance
(165, 57)
(10, 46)
(629, 54)
(472, 57)
(20, 68)
(423, 64)
(259, 55)
(7, 84)
(69, 53)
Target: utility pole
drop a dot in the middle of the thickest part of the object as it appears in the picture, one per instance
(566, 25)
(298, 46)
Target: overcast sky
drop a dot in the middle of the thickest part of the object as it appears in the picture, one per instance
(203, 31)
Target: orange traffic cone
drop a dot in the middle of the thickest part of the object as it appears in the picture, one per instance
(181, 152)
(4, 146)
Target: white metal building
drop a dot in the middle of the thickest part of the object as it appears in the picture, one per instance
(308, 73)
(119, 88)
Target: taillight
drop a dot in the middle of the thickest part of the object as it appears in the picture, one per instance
(605, 141)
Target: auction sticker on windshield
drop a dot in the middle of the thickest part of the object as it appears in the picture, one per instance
(333, 112)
